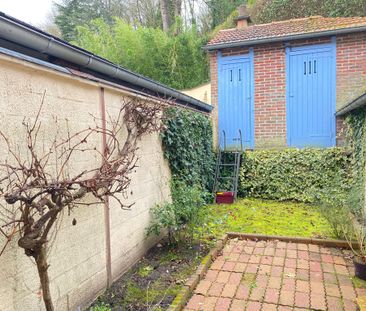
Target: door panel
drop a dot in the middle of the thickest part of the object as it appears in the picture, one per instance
(311, 101)
(235, 103)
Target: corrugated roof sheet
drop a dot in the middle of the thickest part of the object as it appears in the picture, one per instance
(313, 24)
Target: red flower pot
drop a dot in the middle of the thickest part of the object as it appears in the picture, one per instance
(225, 197)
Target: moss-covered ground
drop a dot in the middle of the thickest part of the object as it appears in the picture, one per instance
(267, 217)
(154, 282)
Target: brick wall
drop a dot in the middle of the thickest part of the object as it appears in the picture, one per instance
(270, 96)
(214, 95)
(270, 84)
(351, 67)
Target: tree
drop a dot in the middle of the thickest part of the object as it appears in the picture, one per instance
(165, 16)
(265, 11)
(73, 13)
(37, 184)
(177, 61)
(219, 10)
(142, 12)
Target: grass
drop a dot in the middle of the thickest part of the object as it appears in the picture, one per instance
(358, 283)
(267, 217)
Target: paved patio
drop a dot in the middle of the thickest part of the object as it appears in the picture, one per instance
(275, 275)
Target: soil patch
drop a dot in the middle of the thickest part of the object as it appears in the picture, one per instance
(154, 281)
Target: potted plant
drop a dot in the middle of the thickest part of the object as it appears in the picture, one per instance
(359, 250)
(355, 234)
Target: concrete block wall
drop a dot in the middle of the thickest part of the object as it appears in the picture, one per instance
(77, 253)
(270, 84)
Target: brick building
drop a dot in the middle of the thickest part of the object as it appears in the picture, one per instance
(280, 84)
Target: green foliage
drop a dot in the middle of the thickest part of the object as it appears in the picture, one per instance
(306, 175)
(177, 61)
(338, 216)
(73, 13)
(266, 217)
(101, 307)
(266, 11)
(181, 216)
(221, 9)
(230, 22)
(144, 271)
(356, 125)
(187, 143)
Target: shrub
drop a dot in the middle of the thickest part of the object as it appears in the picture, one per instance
(356, 133)
(306, 175)
(187, 144)
(177, 61)
(180, 217)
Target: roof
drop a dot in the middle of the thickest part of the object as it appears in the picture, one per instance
(354, 104)
(34, 45)
(313, 26)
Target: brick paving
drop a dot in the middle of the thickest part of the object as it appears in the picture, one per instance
(275, 275)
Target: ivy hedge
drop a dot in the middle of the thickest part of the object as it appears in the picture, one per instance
(356, 133)
(304, 175)
(187, 144)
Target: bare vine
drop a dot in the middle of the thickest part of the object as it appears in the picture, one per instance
(38, 183)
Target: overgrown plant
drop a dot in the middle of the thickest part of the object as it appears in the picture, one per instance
(182, 216)
(177, 61)
(354, 231)
(266, 11)
(356, 133)
(187, 144)
(38, 182)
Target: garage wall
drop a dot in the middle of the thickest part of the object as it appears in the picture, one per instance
(78, 254)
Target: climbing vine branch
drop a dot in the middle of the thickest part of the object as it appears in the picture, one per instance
(38, 182)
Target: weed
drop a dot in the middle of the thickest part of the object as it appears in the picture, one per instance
(101, 307)
(144, 271)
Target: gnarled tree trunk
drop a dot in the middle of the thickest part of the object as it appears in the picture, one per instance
(42, 267)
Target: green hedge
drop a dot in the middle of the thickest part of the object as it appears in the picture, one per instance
(291, 174)
(356, 134)
(187, 143)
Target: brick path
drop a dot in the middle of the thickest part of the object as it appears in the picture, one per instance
(276, 275)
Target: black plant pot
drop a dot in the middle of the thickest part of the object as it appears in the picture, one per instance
(360, 268)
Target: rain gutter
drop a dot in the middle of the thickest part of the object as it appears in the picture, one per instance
(30, 37)
(310, 35)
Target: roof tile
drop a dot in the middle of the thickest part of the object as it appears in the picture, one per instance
(280, 29)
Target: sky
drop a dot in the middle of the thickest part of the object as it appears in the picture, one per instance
(31, 11)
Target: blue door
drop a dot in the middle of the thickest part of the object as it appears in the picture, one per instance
(311, 96)
(235, 112)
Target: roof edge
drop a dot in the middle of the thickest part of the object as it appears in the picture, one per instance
(338, 31)
(23, 34)
(356, 103)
